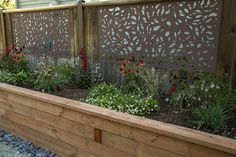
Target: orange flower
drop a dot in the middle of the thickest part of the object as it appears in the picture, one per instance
(130, 71)
(17, 57)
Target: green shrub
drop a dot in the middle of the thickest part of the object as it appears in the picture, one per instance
(5, 76)
(208, 89)
(145, 82)
(6, 63)
(21, 78)
(52, 77)
(151, 83)
(212, 117)
(81, 77)
(111, 97)
(47, 83)
(96, 74)
(14, 60)
(23, 65)
(65, 72)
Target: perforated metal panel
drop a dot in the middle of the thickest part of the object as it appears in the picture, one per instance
(47, 32)
(173, 34)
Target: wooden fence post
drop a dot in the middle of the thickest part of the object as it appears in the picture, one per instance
(91, 32)
(226, 54)
(2, 32)
(80, 28)
(233, 34)
(78, 22)
(8, 30)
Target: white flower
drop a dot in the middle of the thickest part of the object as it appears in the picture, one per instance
(167, 99)
(212, 85)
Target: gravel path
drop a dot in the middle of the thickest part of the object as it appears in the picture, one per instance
(12, 146)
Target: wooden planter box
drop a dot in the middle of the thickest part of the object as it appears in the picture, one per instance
(70, 128)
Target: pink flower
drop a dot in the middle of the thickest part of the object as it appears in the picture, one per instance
(141, 64)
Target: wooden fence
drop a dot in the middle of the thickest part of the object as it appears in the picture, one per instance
(75, 129)
(84, 26)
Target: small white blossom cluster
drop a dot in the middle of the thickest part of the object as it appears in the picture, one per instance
(202, 92)
(96, 74)
(128, 103)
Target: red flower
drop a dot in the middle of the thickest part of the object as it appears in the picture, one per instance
(84, 59)
(7, 50)
(172, 90)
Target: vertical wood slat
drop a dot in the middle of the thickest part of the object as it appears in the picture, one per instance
(9, 30)
(233, 34)
(91, 33)
(2, 32)
(80, 22)
(78, 29)
(226, 53)
(74, 37)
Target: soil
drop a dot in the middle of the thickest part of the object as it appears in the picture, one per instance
(166, 113)
(185, 118)
(75, 94)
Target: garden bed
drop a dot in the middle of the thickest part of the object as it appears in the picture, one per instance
(185, 118)
(86, 130)
(166, 113)
(193, 100)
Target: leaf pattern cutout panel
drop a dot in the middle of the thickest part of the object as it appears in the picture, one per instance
(174, 34)
(46, 32)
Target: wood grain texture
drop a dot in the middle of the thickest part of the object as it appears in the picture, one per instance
(98, 135)
(2, 32)
(72, 126)
(40, 8)
(226, 55)
(80, 26)
(91, 33)
(233, 38)
(123, 2)
(8, 31)
(75, 129)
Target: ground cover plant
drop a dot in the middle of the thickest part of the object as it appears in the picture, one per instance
(14, 67)
(209, 98)
(110, 96)
(202, 102)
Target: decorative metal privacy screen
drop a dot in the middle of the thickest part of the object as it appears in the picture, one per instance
(47, 32)
(172, 34)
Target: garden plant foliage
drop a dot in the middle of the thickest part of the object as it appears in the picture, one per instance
(111, 97)
(210, 99)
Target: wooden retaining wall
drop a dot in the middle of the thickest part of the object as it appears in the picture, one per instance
(74, 129)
